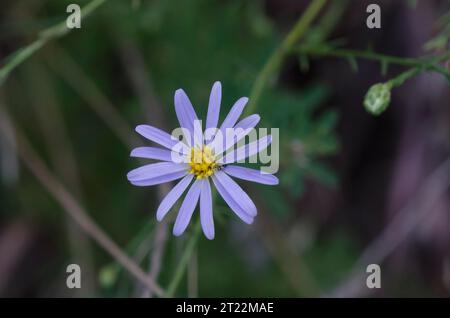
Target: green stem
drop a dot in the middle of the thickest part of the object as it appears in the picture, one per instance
(369, 55)
(430, 65)
(179, 272)
(272, 64)
(402, 77)
(274, 61)
(53, 32)
(115, 267)
(18, 57)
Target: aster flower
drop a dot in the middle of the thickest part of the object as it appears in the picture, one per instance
(202, 157)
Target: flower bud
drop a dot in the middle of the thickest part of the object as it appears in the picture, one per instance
(108, 276)
(378, 98)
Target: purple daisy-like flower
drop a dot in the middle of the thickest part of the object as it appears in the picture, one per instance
(202, 156)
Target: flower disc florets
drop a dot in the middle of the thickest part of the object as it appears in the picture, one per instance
(202, 162)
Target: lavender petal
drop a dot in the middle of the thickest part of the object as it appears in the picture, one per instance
(185, 112)
(152, 153)
(234, 114)
(206, 211)
(250, 175)
(246, 151)
(187, 209)
(248, 122)
(235, 197)
(173, 196)
(157, 173)
(157, 135)
(212, 118)
(233, 136)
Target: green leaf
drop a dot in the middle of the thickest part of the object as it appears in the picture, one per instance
(353, 63)
(384, 67)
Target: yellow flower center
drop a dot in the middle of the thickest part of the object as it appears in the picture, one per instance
(202, 162)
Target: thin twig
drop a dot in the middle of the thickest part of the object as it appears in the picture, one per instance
(272, 64)
(73, 74)
(62, 157)
(135, 67)
(66, 67)
(417, 211)
(274, 61)
(288, 258)
(192, 275)
(188, 250)
(72, 207)
(141, 83)
(53, 32)
(420, 63)
(159, 243)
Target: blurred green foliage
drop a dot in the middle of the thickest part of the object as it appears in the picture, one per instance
(188, 44)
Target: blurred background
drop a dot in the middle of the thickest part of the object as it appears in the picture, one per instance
(355, 189)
